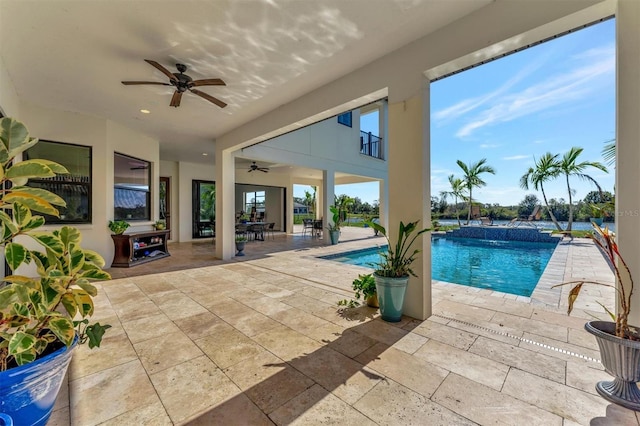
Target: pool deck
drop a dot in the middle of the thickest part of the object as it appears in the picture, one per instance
(261, 342)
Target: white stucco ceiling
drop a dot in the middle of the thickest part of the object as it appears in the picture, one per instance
(73, 55)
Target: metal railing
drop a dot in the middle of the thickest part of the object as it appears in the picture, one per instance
(371, 145)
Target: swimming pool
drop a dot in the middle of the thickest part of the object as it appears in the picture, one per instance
(507, 266)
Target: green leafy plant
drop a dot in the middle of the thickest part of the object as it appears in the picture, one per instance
(160, 224)
(605, 239)
(118, 226)
(364, 287)
(598, 210)
(37, 312)
(241, 239)
(396, 261)
(335, 220)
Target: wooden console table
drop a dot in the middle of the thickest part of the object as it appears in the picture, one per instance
(138, 248)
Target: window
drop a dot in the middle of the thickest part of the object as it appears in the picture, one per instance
(254, 203)
(204, 208)
(74, 188)
(132, 189)
(345, 119)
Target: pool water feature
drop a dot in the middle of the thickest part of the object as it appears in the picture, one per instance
(507, 266)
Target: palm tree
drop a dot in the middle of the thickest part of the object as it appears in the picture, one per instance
(457, 191)
(342, 203)
(546, 168)
(472, 178)
(570, 167)
(310, 199)
(609, 152)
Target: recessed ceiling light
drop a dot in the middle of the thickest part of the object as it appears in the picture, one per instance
(205, 154)
(145, 111)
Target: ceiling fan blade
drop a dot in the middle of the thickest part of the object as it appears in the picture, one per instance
(161, 69)
(209, 98)
(128, 83)
(263, 170)
(208, 82)
(175, 99)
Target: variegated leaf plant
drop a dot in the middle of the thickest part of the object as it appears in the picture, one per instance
(40, 312)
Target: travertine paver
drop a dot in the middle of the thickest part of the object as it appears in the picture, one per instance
(262, 342)
(475, 367)
(573, 404)
(390, 403)
(485, 405)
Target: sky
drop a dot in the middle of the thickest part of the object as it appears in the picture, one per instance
(547, 98)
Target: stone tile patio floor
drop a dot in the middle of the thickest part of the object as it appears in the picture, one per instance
(261, 342)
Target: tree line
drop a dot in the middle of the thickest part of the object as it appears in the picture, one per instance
(547, 168)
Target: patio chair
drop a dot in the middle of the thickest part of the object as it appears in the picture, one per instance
(317, 227)
(486, 221)
(242, 230)
(530, 220)
(307, 224)
(269, 229)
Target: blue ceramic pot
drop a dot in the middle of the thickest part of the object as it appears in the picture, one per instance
(28, 392)
(391, 293)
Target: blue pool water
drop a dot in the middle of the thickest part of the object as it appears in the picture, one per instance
(507, 266)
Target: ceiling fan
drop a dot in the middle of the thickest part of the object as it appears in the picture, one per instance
(254, 167)
(182, 83)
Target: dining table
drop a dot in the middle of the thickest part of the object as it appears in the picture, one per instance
(255, 228)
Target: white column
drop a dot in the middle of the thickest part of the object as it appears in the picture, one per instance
(328, 187)
(383, 202)
(288, 226)
(409, 188)
(628, 142)
(384, 185)
(225, 204)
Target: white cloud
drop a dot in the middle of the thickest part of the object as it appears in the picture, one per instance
(468, 105)
(516, 157)
(489, 145)
(558, 89)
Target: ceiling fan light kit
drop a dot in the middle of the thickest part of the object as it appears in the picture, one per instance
(254, 167)
(182, 83)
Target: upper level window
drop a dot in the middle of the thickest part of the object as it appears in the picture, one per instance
(74, 188)
(132, 188)
(345, 119)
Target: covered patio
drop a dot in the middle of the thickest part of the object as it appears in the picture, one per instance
(262, 342)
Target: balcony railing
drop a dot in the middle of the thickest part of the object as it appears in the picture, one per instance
(371, 145)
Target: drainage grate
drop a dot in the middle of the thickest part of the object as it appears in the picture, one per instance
(522, 339)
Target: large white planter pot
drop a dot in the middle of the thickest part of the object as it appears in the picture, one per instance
(621, 359)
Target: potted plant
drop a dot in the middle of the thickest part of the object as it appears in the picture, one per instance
(42, 317)
(240, 242)
(618, 341)
(365, 288)
(597, 214)
(160, 225)
(118, 226)
(392, 272)
(334, 226)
